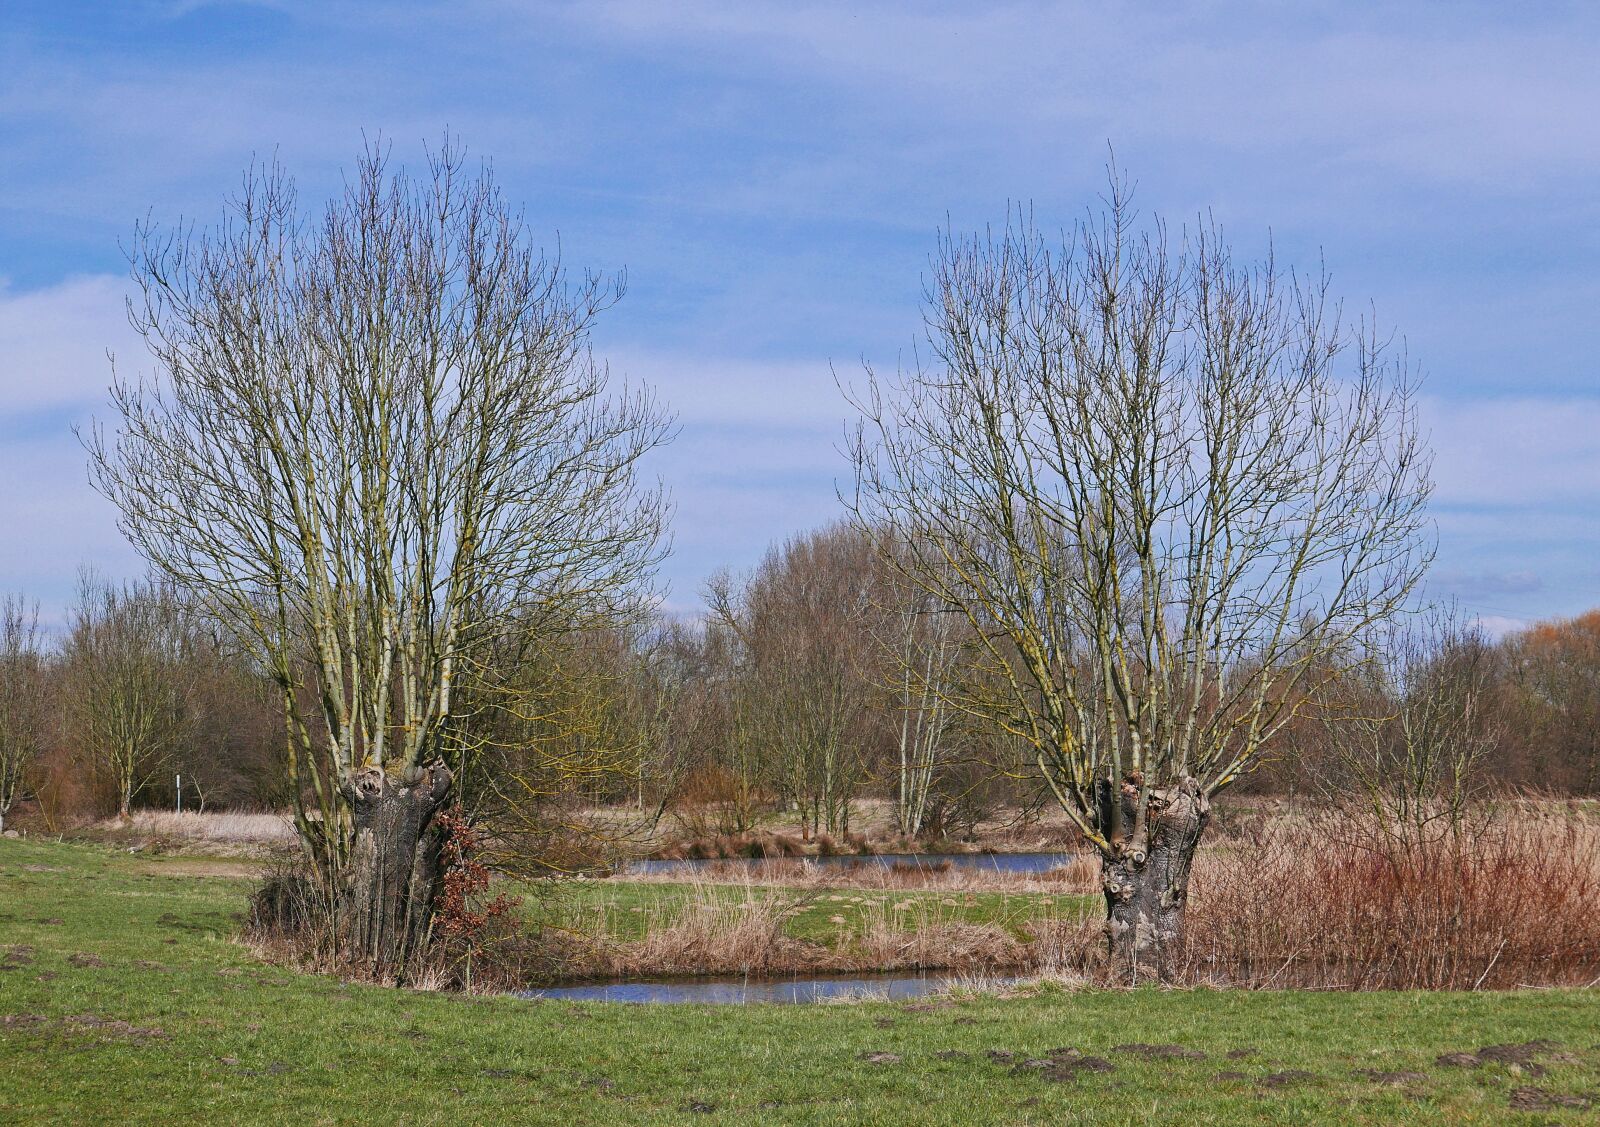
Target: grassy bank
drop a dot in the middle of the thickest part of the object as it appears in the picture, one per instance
(825, 914)
(123, 999)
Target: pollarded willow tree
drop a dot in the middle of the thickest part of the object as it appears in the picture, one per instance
(376, 443)
(1169, 492)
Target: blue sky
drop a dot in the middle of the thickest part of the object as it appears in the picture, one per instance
(772, 176)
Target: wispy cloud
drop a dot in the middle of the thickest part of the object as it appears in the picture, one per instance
(771, 175)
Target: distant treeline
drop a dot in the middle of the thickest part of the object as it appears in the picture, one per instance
(791, 692)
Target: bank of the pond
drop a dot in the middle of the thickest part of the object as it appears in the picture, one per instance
(625, 929)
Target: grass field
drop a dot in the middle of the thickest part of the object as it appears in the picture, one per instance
(123, 1000)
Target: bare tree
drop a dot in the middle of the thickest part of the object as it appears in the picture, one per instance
(925, 651)
(23, 697)
(1165, 489)
(1409, 728)
(129, 669)
(805, 623)
(376, 443)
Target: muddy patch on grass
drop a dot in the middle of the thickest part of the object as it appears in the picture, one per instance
(1159, 1052)
(1537, 1099)
(1061, 1065)
(1389, 1078)
(275, 1068)
(879, 1058)
(1287, 1078)
(1523, 1057)
(86, 960)
(17, 957)
(104, 1028)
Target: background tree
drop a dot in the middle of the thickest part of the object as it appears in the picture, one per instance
(1550, 695)
(1410, 728)
(377, 445)
(128, 668)
(804, 621)
(1166, 490)
(24, 698)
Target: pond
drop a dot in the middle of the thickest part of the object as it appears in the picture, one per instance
(981, 862)
(745, 991)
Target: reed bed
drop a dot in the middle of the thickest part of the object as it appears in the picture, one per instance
(229, 826)
(1332, 905)
(1079, 875)
(1306, 902)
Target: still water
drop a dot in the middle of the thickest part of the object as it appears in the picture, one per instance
(743, 991)
(982, 862)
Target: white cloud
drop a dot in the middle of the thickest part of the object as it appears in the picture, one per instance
(1497, 626)
(54, 344)
(1527, 452)
(1490, 101)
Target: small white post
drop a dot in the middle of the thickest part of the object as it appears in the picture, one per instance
(178, 783)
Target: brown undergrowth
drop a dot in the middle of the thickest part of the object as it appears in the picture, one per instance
(1339, 904)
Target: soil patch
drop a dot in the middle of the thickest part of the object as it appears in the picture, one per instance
(1160, 1052)
(1537, 1099)
(1378, 1077)
(1287, 1077)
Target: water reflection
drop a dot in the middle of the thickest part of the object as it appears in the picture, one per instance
(743, 991)
(978, 862)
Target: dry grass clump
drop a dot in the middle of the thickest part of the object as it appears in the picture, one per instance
(920, 939)
(1340, 904)
(712, 934)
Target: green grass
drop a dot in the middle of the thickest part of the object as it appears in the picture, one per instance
(242, 1042)
(624, 909)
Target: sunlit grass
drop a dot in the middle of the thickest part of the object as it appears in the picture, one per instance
(212, 1035)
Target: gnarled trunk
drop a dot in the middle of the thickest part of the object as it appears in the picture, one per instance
(393, 872)
(1147, 884)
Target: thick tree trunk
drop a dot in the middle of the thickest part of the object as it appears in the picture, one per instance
(393, 873)
(1147, 884)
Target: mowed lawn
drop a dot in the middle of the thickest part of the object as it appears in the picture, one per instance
(123, 1000)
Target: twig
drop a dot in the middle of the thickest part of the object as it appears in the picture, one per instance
(1492, 962)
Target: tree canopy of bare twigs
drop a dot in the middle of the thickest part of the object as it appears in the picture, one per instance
(1164, 488)
(377, 442)
(24, 697)
(1410, 727)
(130, 668)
